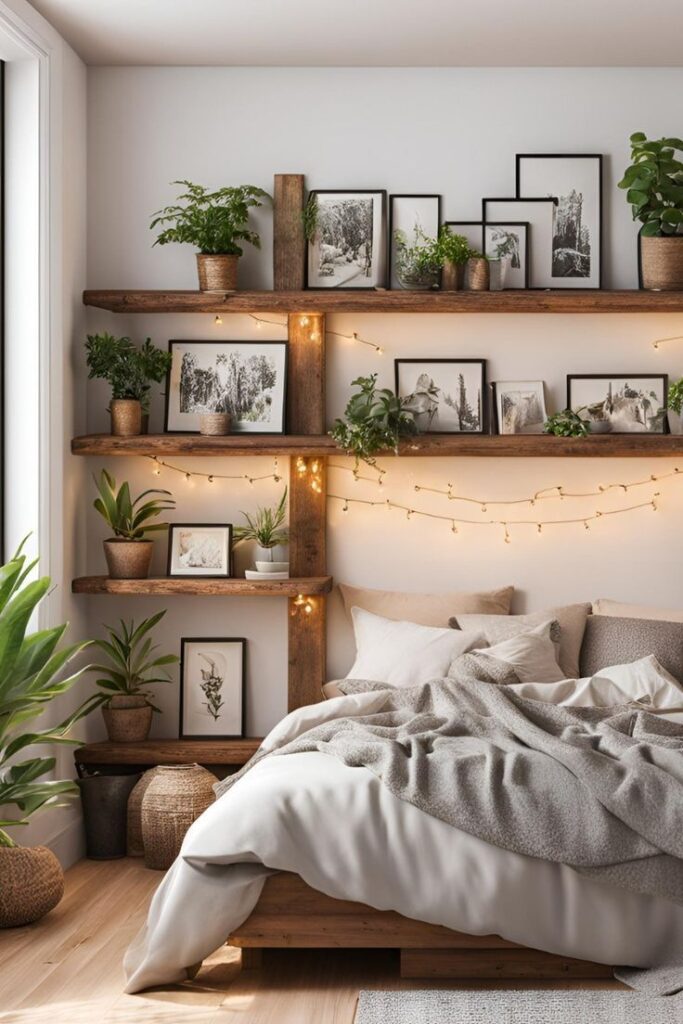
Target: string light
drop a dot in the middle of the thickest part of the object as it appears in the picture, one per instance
(315, 335)
(303, 604)
(159, 464)
(219, 320)
(313, 469)
(663, 341)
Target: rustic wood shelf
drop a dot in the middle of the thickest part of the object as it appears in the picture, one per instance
(153, 752)
(171, 585)
(161, 445)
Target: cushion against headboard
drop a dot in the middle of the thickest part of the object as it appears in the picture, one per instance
(618, 641)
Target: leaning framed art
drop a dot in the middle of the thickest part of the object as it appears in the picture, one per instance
(212, 687)
(538, 213)
(199, 550)
(412, 220)
(509, 242)
(346, 232)
(620, 403)
(445, 396)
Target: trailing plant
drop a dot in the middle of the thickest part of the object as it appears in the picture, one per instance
(676, 396)
(128, 369)
(265, 527)
(131, 665)
(215, 222)
(128, 518)
(416, 262)
(309, 216)
(451, 248)
(654, 184)
(566, 424)
(374, 421)
(31, 667)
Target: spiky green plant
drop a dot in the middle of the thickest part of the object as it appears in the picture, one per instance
(132, 666)
(126, 517)
(265, 527)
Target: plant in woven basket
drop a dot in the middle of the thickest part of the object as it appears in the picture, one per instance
(215, 222)
(132, 664)
(128, 369)
(654, 184)
(566, 424)
(265, 527)
(374, 420)
(129, 552)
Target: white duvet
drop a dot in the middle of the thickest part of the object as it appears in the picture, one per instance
(348, 836)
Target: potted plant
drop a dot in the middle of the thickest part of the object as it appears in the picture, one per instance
(654, 184)
(130, 669)
(267, 530)
(416, 265)
(451, 252)
(675, 410)
(566, 424)
(375, 419)
(129, 370)
(31, 676)
(214, 222)
(479, 272)
(128, 553)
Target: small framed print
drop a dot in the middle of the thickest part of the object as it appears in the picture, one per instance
(630, 404)
(248, 379)
(510, 242)
(413, 218)
(347, 245)
(472, 230)
(200, 550)
(212, 687)
(445, 396)
(538, 213)
(519, 406)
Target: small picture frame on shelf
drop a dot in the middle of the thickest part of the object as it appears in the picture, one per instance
(412, 220)
(509, 242)
(632, 403)
(200, 550)
(519, 406)
(212, 687)
(445, 396)
(247, 379)
(346, 232)
(539, 213)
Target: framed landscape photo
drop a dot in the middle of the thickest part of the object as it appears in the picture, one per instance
(627, 404)
(413, 218)
(347, 239)
(247, 379)
(519, 406)
(200, 550)
(212, 687)
(509, 241)
(445, 396)
(575, 180)
(538, 213)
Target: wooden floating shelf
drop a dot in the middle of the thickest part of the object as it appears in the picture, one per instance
(171, 585)
(561, 300)
(196, 444)
(153, 752)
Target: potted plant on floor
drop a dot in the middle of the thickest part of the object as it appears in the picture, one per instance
(266, 529)
(654, 184)
(31, 669)
(214, 222)
(675, 407)
(451, 252)
(128, 553)
(375, 419)
(132, 666)
(130, 371)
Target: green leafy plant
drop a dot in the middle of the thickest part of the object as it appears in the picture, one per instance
(214, 222)
(654, 184)
(676, 396)
(566, 424)
(30, 670)
(128, 369)
(132, 665)
(375, 420)
(416, 263)
(128, 518)
(451, 248)
(266, 526)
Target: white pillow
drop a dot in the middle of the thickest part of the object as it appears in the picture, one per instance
(404, 653)
(532, 655)
(617, 684)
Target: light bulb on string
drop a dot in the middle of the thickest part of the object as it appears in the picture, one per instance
(218, 320)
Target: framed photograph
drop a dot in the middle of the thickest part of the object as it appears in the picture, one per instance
(472, 230)
(538, 213)
(631, 404)
(575, 180)
(511, 242)
(416, 218)
(519, 406)
(212, 687)
(348, 245)
(200, 550)
(446, 396)
(248, 379)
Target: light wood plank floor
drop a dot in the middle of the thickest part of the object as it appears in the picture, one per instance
(66, 969)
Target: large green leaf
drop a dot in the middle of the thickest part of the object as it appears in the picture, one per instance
(672, 216)
(14, 619)
(650, 229)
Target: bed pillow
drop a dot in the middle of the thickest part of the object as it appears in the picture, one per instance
(572, 623)
(425, 609)
(615, 641)
(644, 680)
(617, 609)
(531, 654)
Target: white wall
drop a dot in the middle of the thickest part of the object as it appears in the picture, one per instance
(448, 131)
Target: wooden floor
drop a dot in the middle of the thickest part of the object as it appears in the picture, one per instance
(66, 969)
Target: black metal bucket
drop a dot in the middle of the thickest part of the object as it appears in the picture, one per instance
(105, 802)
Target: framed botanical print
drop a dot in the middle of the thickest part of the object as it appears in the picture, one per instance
(445, 396)
(519, 406)
(509, 242)
(247, 379)
(212, 687)
(200, 550)
(347, 239)
(575, 180)
(412, 219)
(538, 213)
(620, 404)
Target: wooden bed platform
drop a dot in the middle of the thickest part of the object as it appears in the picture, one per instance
(292, 914)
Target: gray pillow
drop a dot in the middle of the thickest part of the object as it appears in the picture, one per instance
(619, 641)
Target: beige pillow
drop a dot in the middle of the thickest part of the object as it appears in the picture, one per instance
(571, 619)
(531, 653)
(620, 610)
(426, 609)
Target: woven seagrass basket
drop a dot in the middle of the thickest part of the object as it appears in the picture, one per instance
(31, 884)
(175, 797)
(135, 845)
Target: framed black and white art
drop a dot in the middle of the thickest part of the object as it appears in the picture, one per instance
(620, 404)
(247, 379)
(519, 406)
(347, 239)
(445, 396)
(509, 243)
(199, 550)
(538, 213)
(212, 687)
(472, 230)
(412, 219)
(575, 180)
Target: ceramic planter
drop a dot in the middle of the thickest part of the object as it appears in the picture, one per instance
(128, 559)
(272, 566)
(31, 884)
(126, 417)
(128, 719)
(675, 421)
(661, 263)
(217, 273)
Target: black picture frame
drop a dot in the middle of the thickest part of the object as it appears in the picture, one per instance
(382, 281)
(626, 377)
(283, 345)
(200, 575)
(496, 426)
(390, 226)
(598, 157)
(454, 224)
(527, 251)
(184, 641)
(483, 394)
(530, 235)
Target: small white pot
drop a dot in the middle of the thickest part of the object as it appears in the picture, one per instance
(675, 421)
(276, 554)
(272, 566)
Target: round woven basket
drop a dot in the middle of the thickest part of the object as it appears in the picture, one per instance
(478, 275)
(31, 884)
(217, 273)
(662, 262)
(214, 424)
(175, 797)
(135, 845)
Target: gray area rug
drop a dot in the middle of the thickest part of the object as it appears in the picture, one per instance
(518, 1007)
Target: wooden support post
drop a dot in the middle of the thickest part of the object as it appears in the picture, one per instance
(289, 241)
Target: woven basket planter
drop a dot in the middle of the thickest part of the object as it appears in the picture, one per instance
(661, 262)
(136, 847)
(214, 424)
(128, 559)
(478, 274)
(128, 719)
(31, 884)
(126, 417)
(175, 797)
(217, 273)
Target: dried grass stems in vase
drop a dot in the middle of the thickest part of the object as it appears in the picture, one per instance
(128, 553)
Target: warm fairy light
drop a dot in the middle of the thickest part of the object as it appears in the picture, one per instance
(663, 341)
(303, 604)
(219, 320)
(304, 321)
(191, 474)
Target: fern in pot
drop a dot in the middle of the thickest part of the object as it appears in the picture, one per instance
(675, 409)
(266, 528)
(128, 552)
(130, 371)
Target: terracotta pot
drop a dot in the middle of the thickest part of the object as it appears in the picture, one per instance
(214, 424)
(31, 884)
(451, 276)
(126, 417)
(128, 559)
(661, 263)
(175, 797)
(675, 421)
(128, 719)
(478, 278)
(217, 273)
